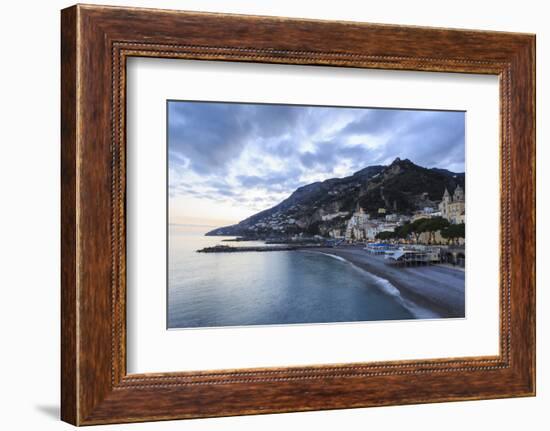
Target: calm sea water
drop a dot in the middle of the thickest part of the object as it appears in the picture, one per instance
(263, 288)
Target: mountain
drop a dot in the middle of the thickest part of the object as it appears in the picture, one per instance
(315, 209)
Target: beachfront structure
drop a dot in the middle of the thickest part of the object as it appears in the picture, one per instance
(407, 257)
(419, 255)
(380, 248)
(453, 207)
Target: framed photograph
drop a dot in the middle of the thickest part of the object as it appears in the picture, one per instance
(263, 214)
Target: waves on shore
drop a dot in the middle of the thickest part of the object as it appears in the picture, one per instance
(389, 289)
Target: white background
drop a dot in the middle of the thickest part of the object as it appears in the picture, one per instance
(152, 349)
(29, 216)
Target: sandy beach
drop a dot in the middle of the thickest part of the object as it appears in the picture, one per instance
(437, 290)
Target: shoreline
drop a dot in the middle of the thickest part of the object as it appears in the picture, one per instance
(438, 289)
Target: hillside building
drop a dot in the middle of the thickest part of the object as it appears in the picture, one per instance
(357, 225)
(453, 207)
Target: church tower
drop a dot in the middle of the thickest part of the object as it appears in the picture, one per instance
(444, 204)
(458, 195)
(446, 196)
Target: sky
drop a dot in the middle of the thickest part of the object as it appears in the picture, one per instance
(227, 161)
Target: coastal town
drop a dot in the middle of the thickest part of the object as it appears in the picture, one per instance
(433, 235)
(430, 225)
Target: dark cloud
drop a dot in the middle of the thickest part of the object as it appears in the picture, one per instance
(327, 155)
(269, 121)
(283, 144)
(435, 139)
(429, 138)
(211, 135)
(376, 121)
(283, 148)
(284, 180)
(208, 135)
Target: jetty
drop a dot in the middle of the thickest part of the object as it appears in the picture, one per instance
(229, 249)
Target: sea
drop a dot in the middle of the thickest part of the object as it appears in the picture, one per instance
(269, 288)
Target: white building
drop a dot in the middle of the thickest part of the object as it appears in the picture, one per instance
(356, 227)
(374, 228)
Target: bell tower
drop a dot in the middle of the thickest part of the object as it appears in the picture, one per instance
(458, 195)
(446, 196)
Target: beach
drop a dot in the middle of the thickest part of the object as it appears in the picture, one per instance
(435, 289)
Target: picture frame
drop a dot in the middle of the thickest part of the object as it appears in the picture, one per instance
(96, 42)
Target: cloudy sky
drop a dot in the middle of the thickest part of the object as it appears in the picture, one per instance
(228, 161)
